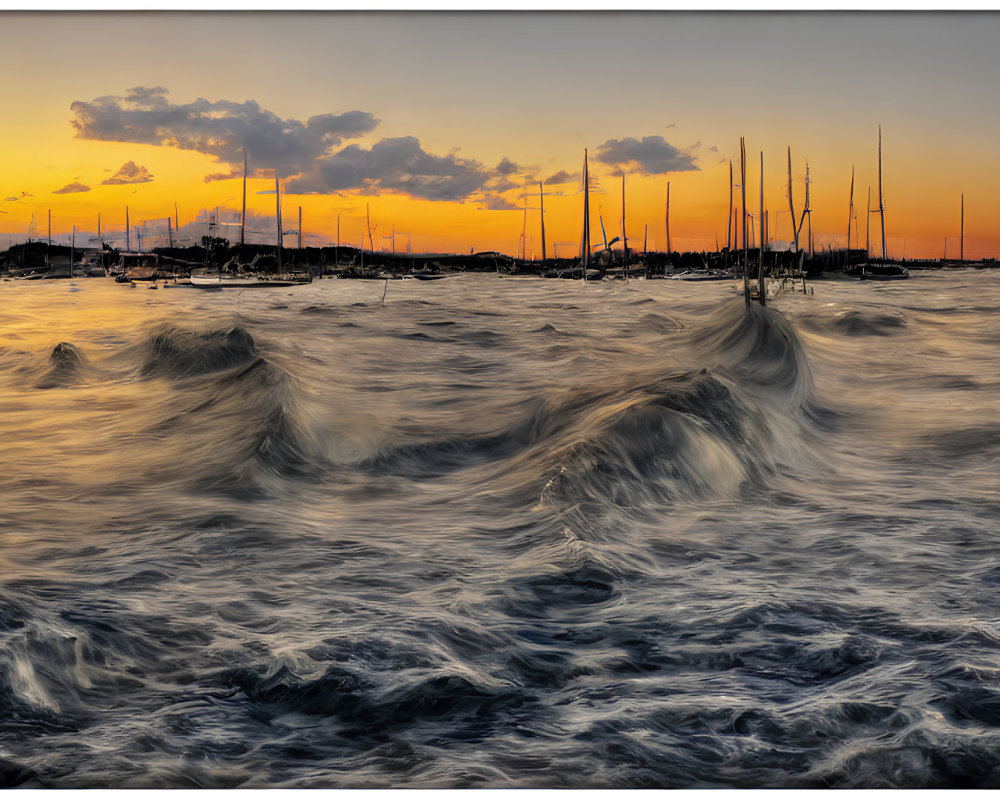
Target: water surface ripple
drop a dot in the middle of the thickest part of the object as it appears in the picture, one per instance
(500, 532)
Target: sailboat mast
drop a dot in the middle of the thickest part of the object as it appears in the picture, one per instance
(961, 247)
(743, 200)
(808, 212)
(881, 203)
(729, 219)
(243, 213)
(868, 225)
(850, 213)
(277, 214)
(72, 251)
(761, 289)
(762, 232)
(586, 214)
(624, 236)
(541, 209)
(524, 226)
(48, 242)
(128, 232)
(791, 204)
(669, 249)
(300, 228)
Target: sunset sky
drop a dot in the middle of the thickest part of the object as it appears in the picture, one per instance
(437, 121)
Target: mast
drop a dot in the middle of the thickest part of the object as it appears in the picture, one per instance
(128, 232)
(761, 289)
(624, 236)
(881, 203)
(868, 225)
(734, 225)
(170, 234)
(300, 228)
(368, 218)
(961, 247)
(808, 211)
(729, 219)
(743, 196)
(850, 215)
(524, 227)
(645, 237)
(541, 208)
(100, 241)
(177, 226)
(336, 251)
(243, 214)
(277, 204)
(586, 214)
(72, 251)
(668, 218)
(791, 205)
(48, 242)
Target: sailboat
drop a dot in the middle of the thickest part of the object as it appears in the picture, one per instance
(239, 276)
(584, 271)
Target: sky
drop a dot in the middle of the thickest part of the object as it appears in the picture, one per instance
(433, 130)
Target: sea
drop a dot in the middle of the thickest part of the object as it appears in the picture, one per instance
(500, 532)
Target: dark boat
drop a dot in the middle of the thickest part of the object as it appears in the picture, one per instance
(884, 272)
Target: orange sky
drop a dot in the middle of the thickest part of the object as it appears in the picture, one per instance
(436, 122)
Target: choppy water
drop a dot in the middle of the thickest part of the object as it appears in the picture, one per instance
(500, 532)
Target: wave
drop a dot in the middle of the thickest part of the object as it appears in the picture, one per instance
(869, 323)
(648, 437)
(67, 365)
(233, 412)
(176, 353)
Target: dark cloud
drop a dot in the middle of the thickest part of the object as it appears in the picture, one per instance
(220, 129)
(507, 167)
(562, 176)
(18, 197)
(72, 188)
(129, 172)
(654, 155)
(400, 165)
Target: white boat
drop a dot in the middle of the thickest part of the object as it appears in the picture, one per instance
(238, 280)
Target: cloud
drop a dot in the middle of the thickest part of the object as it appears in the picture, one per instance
(71, 188)
(507, 167)
(18, 197)
(129, 173)
(562, 176)
(654, 155)
(400, 165)
(314, 155)
(495, 202)
(220, 129)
